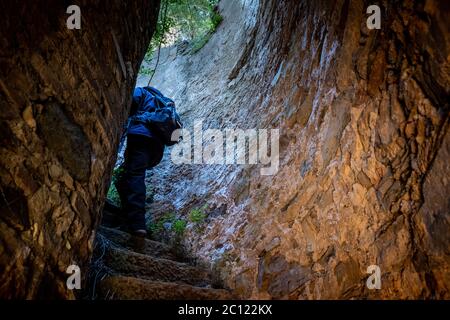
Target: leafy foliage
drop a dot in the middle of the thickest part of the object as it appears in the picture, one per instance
(179, 226)
(112, 194)
(198, 216)
(157, 227)
(166, 225)
(185, 20)
(146, 71)
(171, 227)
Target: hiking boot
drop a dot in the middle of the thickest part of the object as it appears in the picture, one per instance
(133, 230)
(140, 233)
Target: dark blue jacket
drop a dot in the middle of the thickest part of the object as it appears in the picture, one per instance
(143, 101)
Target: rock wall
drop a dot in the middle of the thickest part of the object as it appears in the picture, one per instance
(364, 172)
(64, 95)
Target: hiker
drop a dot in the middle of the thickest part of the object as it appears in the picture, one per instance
(152, 121)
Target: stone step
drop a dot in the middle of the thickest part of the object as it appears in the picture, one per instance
(137, 244)
(138, 265)
(130, 288)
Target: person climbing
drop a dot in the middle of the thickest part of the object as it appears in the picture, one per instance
(153, 119)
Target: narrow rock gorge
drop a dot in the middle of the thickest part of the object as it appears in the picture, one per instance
(363, 173)
(363, 177)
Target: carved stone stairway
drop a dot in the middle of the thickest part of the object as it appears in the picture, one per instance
(127, 267)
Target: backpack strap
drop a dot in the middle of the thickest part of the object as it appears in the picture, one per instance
(159, 96)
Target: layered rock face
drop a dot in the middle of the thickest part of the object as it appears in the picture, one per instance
(64, 97)
(364, 144)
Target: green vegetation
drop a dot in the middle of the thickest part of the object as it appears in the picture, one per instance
(179, 226)
(112, 194)
(200, 41)
(185, 20)
(166, 226)
(157, 227)
(198, 216)
(146, 71)
(172, 228)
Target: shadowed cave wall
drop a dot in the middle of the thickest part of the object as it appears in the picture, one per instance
(64, 96)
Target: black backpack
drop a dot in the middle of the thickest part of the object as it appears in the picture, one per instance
(164, 120)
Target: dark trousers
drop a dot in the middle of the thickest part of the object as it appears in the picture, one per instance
(142, 153)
